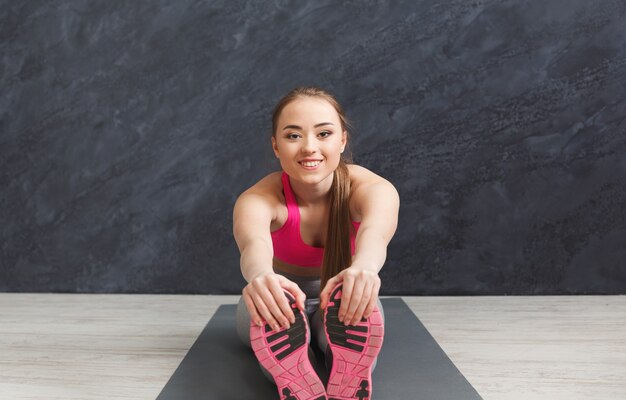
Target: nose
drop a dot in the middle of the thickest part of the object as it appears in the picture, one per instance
(309, 145)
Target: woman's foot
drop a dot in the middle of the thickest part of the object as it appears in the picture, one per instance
(285, 356)
(354, 349)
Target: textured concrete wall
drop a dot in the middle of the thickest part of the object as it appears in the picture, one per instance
(128, 129)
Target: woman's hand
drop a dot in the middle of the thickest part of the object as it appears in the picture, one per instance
(266, 300)
(359, 294)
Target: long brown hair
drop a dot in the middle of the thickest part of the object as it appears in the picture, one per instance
(337, 254)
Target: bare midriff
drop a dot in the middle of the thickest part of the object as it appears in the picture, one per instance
(308, 272)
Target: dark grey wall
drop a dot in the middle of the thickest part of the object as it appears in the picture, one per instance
(128, 129)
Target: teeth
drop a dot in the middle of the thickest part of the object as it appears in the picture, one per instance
(310, 163)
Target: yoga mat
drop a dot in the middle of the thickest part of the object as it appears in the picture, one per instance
(411, 365)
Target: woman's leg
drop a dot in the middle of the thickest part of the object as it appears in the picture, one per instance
(243, 330)
(243, 322)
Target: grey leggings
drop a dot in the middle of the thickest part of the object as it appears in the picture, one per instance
(310, 287)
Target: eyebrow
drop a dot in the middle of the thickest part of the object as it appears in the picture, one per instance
(299, 127)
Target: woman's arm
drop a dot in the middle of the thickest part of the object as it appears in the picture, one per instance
(264, 297)
(252, 217)
(378, 203)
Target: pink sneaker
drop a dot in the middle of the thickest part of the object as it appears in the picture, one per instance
(285, 355)
(354, 349)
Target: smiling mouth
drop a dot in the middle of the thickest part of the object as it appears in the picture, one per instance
(310, 164)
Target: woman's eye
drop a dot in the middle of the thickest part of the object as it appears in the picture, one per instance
(325, 133)
(292, 136)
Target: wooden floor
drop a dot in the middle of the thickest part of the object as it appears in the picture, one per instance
(78, 346)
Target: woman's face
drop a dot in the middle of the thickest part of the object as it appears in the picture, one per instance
(309, 139)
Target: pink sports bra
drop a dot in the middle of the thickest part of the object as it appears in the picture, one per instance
(287, 241)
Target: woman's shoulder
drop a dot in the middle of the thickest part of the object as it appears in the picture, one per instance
(365, 185)
(268, 188)
(361, 176)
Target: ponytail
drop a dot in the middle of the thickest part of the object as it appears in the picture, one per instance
(337, 252)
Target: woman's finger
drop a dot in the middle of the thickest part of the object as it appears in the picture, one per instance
(295, 291)
(373, 299)
(363, 303)
(355, 301)
(269, 309)
(285, 315)
(252, 311)
(346, 296)
(277, 315)
(330, 285)
(267, 316)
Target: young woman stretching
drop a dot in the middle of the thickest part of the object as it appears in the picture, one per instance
(313, 238)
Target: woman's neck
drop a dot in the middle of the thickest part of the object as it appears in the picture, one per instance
(312, 195)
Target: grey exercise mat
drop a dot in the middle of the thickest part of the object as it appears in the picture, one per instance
(411, 365)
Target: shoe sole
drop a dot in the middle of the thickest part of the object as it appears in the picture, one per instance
(284, 354)
(354, 349)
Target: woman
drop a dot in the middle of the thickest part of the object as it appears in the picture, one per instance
(313, 238)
